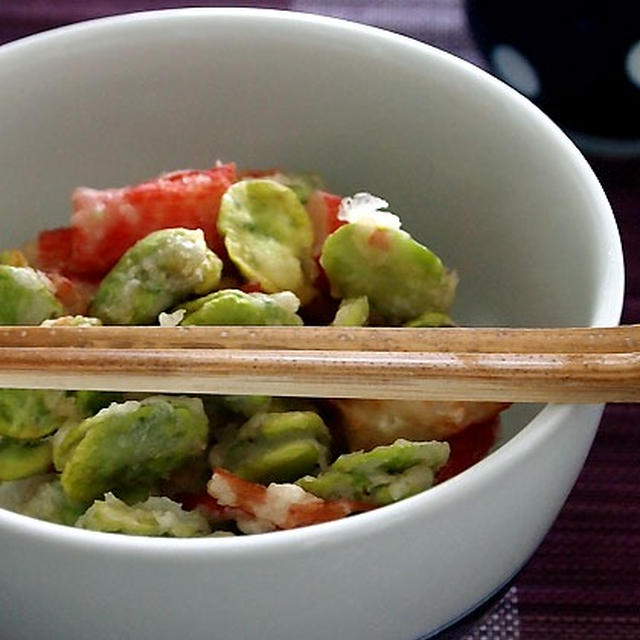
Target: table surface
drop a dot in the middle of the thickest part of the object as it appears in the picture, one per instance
(584, 580)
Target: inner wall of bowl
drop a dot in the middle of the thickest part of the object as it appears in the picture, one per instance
(473, 170)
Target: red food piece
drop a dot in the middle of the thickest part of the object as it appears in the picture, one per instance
(105, 223)
(468, 447)
(203, 500)
(257, 173)
(379, 239)
(54, 249)
(278, 506)
(251, 287)
(323, 209)
(208, 506)
(74, 294)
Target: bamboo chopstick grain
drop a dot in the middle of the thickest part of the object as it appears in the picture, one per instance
(443, 339)
(510, 365)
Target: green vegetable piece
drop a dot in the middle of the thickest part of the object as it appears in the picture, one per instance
(90, 402)
(14, 494)
(235, 307)
(243, 405)
(303, 184)
(431, 319)
(227, 408)
(157, 516)
(282, 404)
(49, 502)
(268, 235)
(227, 413)
(156, 273)
(13, 257)
(275, 447)
(20, 459)
(25, 296)
(65, 440)
(124, 445)
(132, 495)
(72, 321)
(28, 414)
(352, 312)
(400, 277)
(383, 475)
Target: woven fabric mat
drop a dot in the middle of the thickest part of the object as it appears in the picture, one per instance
(584, 580)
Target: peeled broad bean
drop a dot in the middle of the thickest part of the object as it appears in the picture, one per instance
(275, 447)
(303, 184)
(383, 475)
(20, 459)
(27, 414)
(156, 516)
(352, 312)
(131, 444)
(401, 278)
(50, 502)
(235, 307)
(159, 271)
(26, 297)
(268, 235)
(431, 319)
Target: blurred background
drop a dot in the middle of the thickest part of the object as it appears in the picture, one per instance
(580, 62)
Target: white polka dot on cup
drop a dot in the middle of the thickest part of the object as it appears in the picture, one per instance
(516, 70)
(632, 64)
(577, 61)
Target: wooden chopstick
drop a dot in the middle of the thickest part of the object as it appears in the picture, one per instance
(621, 339)
(577, 365)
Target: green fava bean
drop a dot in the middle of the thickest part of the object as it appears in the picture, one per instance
(13, 257)
(20, 459)
(227, 413)
(235, 307)
(27, 414)
(275, 447)
(400, 277)
(129, 444)
(49, 502)
(241, 406)
(383, 475)
(90, 402)
(304, 184)
(26, 297)
(352, 312)
(431, 319)
(268, 235)
(69, 435)
(156, 273)
(157, 516)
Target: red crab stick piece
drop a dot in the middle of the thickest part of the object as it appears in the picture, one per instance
(276, 506)
(105, 223)
(323, 208)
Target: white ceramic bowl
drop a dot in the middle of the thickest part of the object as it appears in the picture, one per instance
(473, 169)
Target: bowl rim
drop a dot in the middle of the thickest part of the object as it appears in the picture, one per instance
(607, 310)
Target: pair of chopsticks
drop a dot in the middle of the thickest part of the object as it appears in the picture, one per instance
(576, 365)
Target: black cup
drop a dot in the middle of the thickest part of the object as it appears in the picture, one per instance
(578, 61)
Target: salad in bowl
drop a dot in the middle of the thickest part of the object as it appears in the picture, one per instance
(215, 247)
